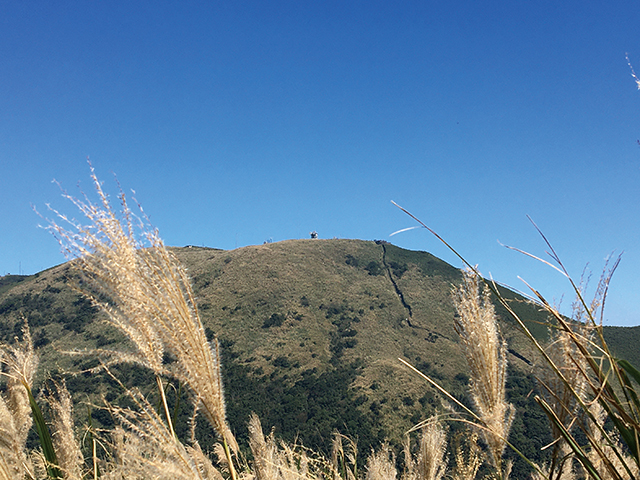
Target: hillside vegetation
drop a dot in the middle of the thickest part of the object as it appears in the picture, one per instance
(311, 332)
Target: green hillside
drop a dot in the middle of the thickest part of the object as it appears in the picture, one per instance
(311, 331)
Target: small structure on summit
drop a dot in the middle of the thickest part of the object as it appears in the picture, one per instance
(314, 234)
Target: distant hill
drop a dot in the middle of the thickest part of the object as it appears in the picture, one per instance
(311, 332)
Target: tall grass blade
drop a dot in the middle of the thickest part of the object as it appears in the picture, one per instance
(635, 374)
(94, 449)
(53, 470)
(577, 450)
(619, 400)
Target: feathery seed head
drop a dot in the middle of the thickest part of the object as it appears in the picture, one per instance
(467, 464)
(279, 461)
(146, 448)
(381, 465)
(432, 459)
(146, 293)
(486, 354)
(68, 451)
(344, 460)
(18, 364)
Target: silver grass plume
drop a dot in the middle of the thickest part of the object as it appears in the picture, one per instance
(18, 363)
(431, 460)
(68, 451)
(565, 395)
(264, 450)
(468, 460)
(381, 465)
(344, 460)
(486, 355)
(148, 297)
(145, 448)
(278, 461)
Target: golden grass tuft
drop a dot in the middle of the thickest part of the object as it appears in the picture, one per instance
(273, 460)
(381, 465)
(431, 460)
(71, 460)
(486, 355)
(142, 446)
(18, 363)
(344, 459)
(468, 458)
(146, 293)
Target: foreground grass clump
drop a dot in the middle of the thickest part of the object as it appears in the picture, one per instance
(19, 364)
(145, 292)
(584, 384)
(127, 272)
(486, 355)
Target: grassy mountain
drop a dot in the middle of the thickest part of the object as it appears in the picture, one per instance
(311, 331)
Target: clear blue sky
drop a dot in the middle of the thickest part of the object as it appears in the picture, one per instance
(240, 122)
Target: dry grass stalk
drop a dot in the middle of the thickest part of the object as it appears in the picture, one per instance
(570, 347)
(344, 461)
(70, 457)
(11, 452)
(149, 298)
(595, 432)
(565, 354)
(409, 472)
(564, 395)
(633, 73)
(381, 465)
(144, 447)
(39, 463)
(565, 471)
(485, 352)
(19, 363)
(431, 461)
(467, 460)
(278, 461)
(263, 449)
(203, 463)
